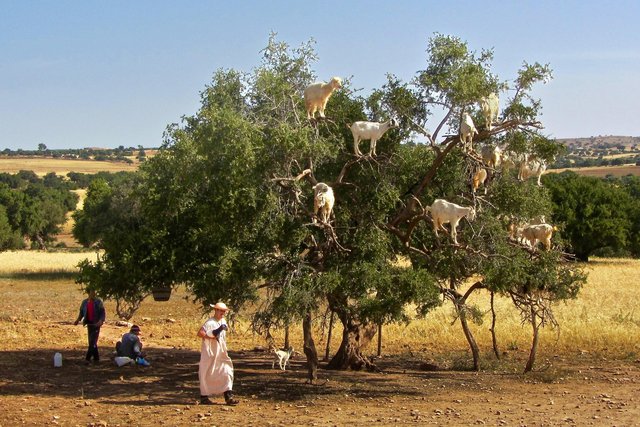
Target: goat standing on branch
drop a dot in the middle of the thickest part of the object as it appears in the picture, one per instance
(369, 130)
(467, 130)
(317, 95)
(490, 106)
(531, 168)
(538, 233)
(323, 201)
(443, 212)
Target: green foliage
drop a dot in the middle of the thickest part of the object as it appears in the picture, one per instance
(225, 206)
(34, 208)
(593, 213)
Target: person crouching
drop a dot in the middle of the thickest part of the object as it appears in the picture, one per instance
(130, 346)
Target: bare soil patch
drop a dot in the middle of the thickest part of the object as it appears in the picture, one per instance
(595, 381)
(568, 391)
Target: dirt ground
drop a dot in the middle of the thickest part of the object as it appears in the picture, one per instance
(579, 390)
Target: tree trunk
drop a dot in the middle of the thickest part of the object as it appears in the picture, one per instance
(493, 329)
(310, 349)
(327, 349)
(286, 336)
(475, 351)
(380, 340)
(582, 256)
(355, 336)
(534, 344)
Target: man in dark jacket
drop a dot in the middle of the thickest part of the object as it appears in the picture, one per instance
(93, 315)
(130, 346)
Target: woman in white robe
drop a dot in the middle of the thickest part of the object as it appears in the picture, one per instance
(215, 370)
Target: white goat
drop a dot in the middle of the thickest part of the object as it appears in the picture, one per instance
(282, 357)
(529, 168)
(369, 130)
(538, 233)
(444, 212)
(492, 156)
(317, 94)
(479, 179)
(490, 106)
(323, 201)
(467, 130)
(515, 227)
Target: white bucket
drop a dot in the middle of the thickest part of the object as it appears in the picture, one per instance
(123, 360)
(57, 360)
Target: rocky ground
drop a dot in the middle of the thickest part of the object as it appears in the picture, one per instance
(578, 390)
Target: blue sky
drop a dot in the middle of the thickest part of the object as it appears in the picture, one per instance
(108, 73)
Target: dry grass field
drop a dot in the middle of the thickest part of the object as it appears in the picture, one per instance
(602, 171)
(587, 372)
(43, 166)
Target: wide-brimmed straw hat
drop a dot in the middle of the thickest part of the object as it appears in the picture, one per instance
(220, 306)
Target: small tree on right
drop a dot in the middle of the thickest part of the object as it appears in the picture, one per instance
(487, 256)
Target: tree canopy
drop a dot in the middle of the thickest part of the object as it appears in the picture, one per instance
(226, 206)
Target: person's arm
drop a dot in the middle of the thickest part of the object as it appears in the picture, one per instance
(80, 315)
(202, 333)
(101, 314)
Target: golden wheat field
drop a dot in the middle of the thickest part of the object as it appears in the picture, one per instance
(43, 166)
(604, 319)
(587, 373)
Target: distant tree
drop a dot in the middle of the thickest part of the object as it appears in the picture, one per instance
(593, 214)
(142, 154)
(35, 211)
(112, 220)
(9, 237)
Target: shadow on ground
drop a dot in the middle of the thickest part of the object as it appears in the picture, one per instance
(173, 378)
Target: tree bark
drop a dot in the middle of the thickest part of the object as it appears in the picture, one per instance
(475, 351)
(534, 344)
(286, 336)
(494, 339)
(327, 349)
(310, 349)
(355, 336)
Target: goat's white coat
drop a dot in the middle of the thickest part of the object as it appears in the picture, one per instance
(316, 96)
(444, 212)
(530, 168)
(491, 156)
(479, 179)
(467, 130)
(323, 201)
(490, 106)
(369, 130)
(535, 233)
(282, 358)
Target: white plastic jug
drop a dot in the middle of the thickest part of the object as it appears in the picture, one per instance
(57, 360)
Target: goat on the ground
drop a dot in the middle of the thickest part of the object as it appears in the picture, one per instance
(323, 201)
(316, 96)
(369, 130)
(282, 357)
(444, 212)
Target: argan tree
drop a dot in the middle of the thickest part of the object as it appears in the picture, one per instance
(228, 200)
